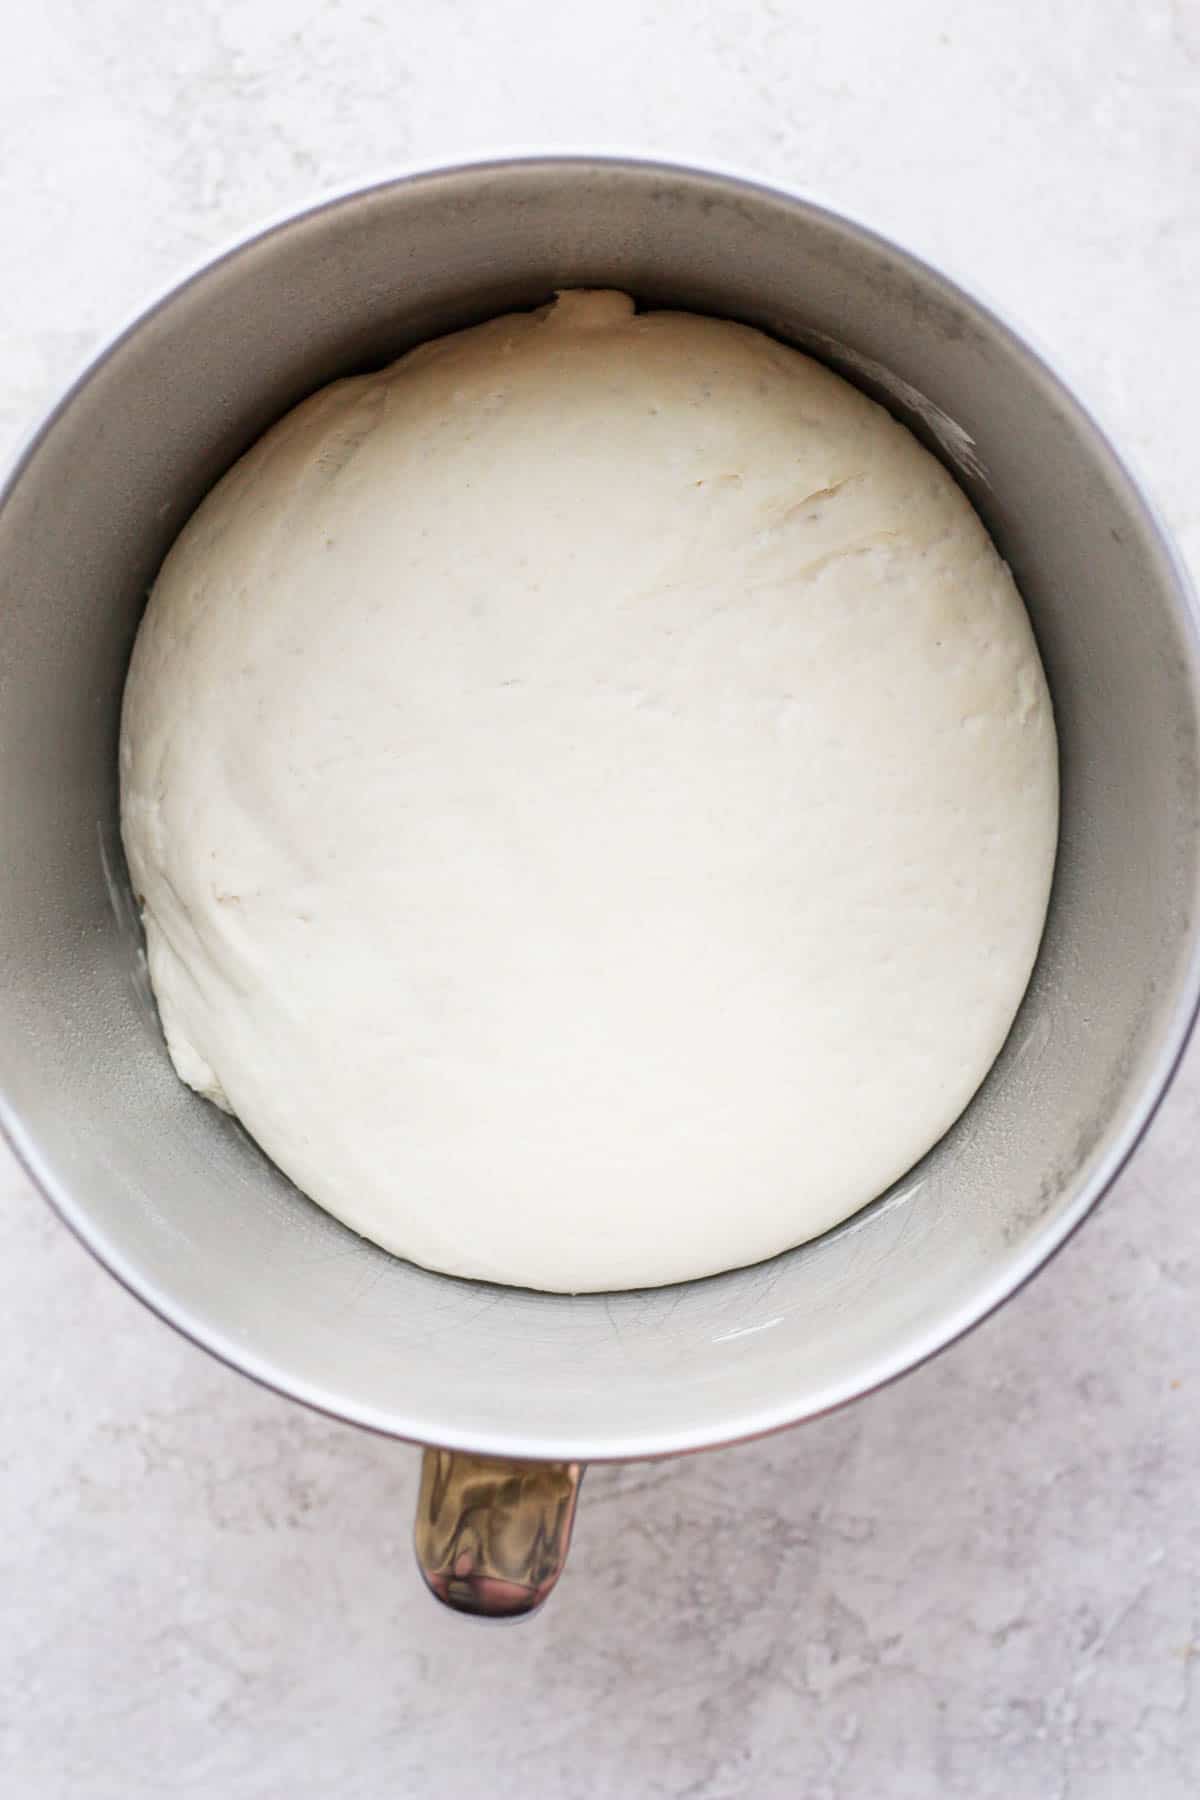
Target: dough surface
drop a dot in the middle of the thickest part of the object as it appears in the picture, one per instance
(593, 794)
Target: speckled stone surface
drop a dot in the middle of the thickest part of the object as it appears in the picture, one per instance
(984, 1582)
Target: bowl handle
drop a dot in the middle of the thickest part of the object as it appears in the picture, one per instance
(491, 1536)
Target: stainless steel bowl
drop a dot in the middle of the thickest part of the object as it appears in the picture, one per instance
(177, 1202)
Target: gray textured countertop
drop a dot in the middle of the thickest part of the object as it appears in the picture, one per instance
(982, 1582)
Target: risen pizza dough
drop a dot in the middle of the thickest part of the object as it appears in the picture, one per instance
(593, 792)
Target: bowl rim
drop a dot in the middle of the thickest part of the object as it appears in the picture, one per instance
(410, 1425)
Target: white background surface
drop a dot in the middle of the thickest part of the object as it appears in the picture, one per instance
(983, 1582)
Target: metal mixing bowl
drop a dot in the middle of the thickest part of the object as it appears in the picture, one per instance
(177, 1202)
